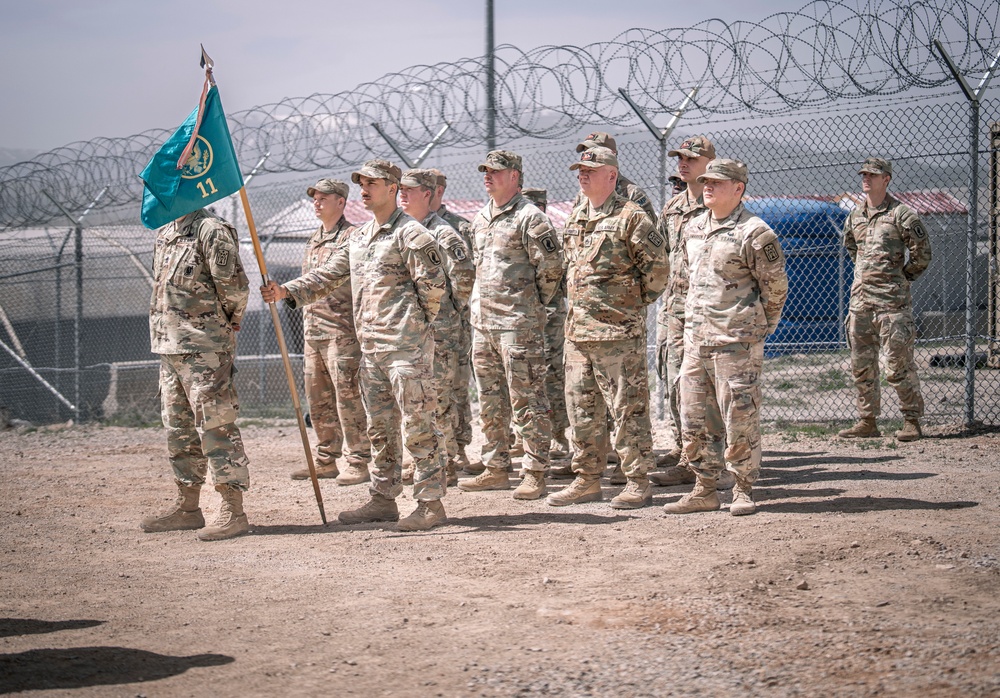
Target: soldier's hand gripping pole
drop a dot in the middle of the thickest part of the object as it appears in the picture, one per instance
(284, 355)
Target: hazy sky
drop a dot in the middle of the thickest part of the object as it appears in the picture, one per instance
(77, 70)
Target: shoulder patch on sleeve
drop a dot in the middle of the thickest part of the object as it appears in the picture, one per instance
(545, 236)
(655, 239)
(771, 252)
(767, 242)
(458, 252)
(918, 230)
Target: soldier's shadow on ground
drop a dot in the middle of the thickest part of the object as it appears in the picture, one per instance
(12, 627)
(80, 667)
(857, 505)
(514, 522)
(768, 476)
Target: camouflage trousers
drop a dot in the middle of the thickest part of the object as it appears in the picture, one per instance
(463, 379)
(399, 394)
(199, 407)
(510, 375)
(331, 380)
(720, 408)
(555, 376)
(669, 356)
(894, 331)
(609, 376)
(447, 346)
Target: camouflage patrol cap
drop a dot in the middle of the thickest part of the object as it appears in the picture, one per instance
(442, 178)
(598, 138)
(876, 166)
(675, 178)
(329, 186)
(419, 178)
(592, 158)
(539, 197)
(723, 169)
(377, 169)
(695, 147)
(501, 160)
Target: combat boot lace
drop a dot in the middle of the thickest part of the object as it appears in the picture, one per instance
(231, 521)
(378, 508)
(354, 474)
(489, 479)
(864, 428)
(637, 493)
(532, 486)
(743, 503)
(426, 516)
(703, 497)
(910, 432)
(322, 471)
(585, 488)
(185, 515)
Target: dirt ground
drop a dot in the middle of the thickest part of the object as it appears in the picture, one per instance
(871, 568)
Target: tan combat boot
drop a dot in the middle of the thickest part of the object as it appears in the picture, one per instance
(561, 472)
(910, 432)
(322, 471)
(426, 516)
(585, 488)
(637, 493)
(466, 465)
(532, 486)
(669, 459)
(185, 516)
(409, 469)
(489, 479)
(354, 474)
(703, 497)
(378, 508)
(517, 449)
(743, 503)
(677, 475)
(451, 474)
(864, 428)
(231, 521)
(617, 476)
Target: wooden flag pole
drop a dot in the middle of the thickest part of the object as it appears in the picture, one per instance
(284, 354)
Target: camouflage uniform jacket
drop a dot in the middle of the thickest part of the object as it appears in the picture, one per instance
(877, 240)
(738, 283)
(627, 189)
(460, 273)
(199, 287)
(518, 266)
(398, 283)
(324, 297)
(676, 215)
(463, 226)
(616, 265)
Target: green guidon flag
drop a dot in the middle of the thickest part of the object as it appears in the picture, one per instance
(195, 167)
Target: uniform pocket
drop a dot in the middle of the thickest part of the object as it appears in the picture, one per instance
(186, 269)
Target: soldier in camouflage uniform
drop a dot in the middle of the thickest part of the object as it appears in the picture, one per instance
(394, 267)
(463, 378)
(416, 190)
(555, 341)
(518, 270)
(616, 265)
(878, 235)
(693, 157)
(199, 295)
(625, 188)
(737, 289)
(332, 352)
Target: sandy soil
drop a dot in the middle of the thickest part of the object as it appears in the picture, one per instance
(871, 568)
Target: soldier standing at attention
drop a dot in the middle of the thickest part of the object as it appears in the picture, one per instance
(463, 378)
(199, 294)
(693, 156)
(878, 235)
(518, 270)
(397, 281)
(416, 190)
(555, 341)
(332, 352)
(616, 265)
(737, 289)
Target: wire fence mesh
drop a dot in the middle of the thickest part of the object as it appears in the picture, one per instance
(74, 301)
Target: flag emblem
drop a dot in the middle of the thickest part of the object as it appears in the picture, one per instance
(200, 161)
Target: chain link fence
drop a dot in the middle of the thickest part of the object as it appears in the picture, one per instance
(74, 300)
